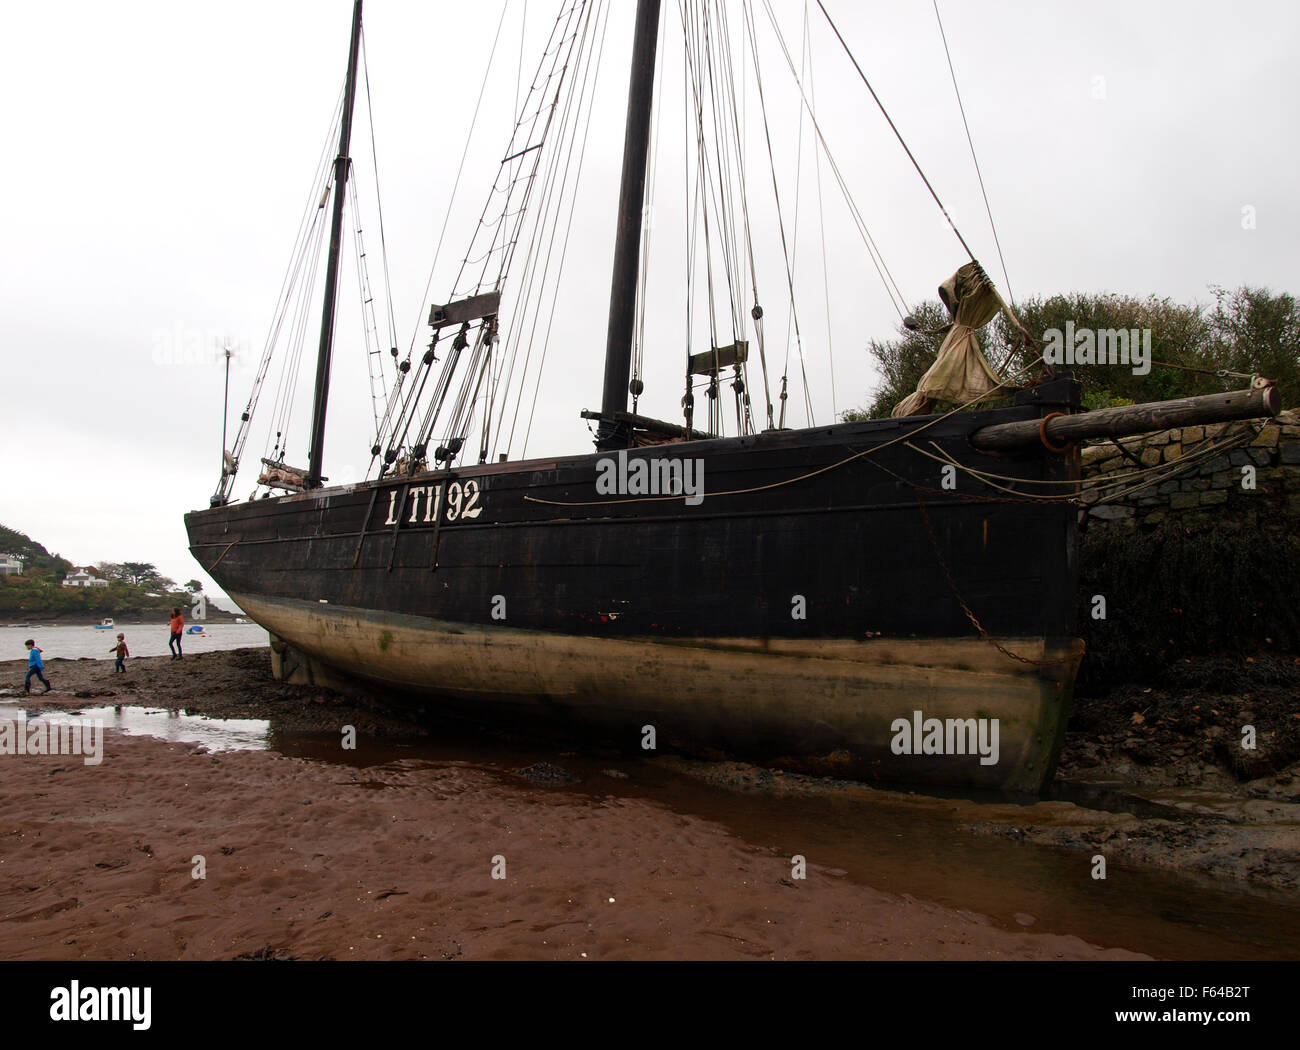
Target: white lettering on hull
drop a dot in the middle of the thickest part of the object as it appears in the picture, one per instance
(425, 503)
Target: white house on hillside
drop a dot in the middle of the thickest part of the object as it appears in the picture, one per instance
(10, 566)
(81, 578)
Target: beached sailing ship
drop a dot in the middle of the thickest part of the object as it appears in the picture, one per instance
(891, 599)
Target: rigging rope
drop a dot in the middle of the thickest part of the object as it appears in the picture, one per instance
(499, 228)
(780, 218)
(821, 223)
(897, 133)
(548, 225)
(369, 322)
(460, 169)
(1118, 482)
(293, 269)
(902, 438)
(993, 226)
(379, 200)
(896, 296)
(1221, 373)
(637, 385)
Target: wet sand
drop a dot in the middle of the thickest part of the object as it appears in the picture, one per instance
(309, 860)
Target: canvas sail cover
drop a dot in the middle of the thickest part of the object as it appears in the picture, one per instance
(960, 373)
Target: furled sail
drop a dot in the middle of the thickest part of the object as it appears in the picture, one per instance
(960, 373)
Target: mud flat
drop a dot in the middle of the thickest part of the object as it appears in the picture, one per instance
(312, 859)
(311, 851)
(308, 860)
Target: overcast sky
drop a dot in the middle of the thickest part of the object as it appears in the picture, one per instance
(158, 156)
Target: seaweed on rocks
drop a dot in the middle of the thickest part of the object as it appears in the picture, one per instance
(1175, 592)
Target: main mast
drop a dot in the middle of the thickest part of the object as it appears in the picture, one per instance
(627, 246)
(325, 354)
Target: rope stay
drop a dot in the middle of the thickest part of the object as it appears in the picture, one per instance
(373, 342)
(296, 309)
(720, 215)
(896, 297)
(821, 222)
(308, 233)
(894, 128)
(543, 268)
(974, 159)
(535, 184)
(637, 385)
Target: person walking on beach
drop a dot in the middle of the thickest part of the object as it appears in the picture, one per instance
(122, 653)
(35, 666)
(177, 628)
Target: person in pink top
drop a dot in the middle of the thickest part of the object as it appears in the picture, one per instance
(177, 628)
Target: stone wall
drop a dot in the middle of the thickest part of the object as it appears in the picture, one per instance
(1209, 488)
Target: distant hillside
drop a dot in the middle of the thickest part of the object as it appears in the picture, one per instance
(32, 554)
(133, 588)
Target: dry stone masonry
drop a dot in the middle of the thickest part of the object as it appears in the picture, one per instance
(1208, 490)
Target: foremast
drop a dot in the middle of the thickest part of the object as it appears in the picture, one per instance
(324, 356)
(614, 431)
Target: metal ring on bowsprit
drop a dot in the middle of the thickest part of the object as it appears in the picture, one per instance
(1042, 433)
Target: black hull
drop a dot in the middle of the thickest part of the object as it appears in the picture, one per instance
(837, 542)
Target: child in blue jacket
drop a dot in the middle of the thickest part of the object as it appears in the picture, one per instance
(35, 666)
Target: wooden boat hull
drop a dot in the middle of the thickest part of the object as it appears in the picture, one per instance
(825, 706)
(821, 589)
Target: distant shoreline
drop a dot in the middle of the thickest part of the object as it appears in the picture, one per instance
(123, 617)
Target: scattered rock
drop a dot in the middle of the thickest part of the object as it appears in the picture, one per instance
(545, 773)
(266, 954)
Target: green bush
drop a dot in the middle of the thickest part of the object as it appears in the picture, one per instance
(1250, 330)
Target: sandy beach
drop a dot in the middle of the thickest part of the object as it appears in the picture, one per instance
(313, 860)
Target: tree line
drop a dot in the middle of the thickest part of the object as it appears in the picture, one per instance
(141, 574)
(1248, 330)
(131, 584)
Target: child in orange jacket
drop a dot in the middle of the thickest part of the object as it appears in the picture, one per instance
(177, 628)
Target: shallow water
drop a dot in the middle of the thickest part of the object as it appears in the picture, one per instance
(905, 844)
(147, 639)
(216, 734)
(920, 846)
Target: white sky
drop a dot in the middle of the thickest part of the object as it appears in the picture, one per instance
(158, 156)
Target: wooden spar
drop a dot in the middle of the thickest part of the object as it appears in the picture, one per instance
(627, 246)
(325, 353)
(630, 420)
(1262, 399)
